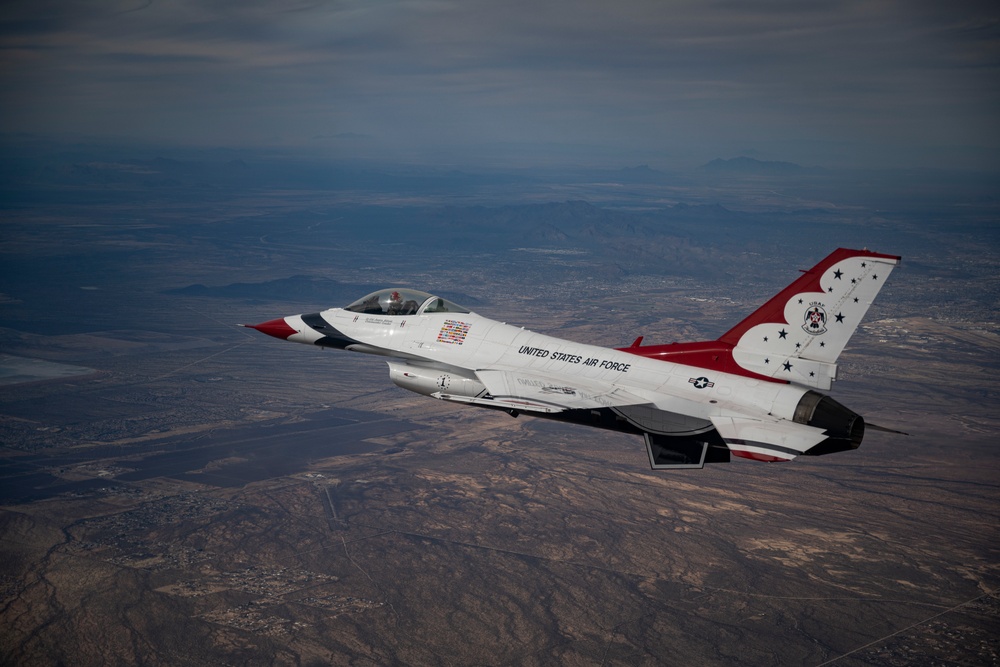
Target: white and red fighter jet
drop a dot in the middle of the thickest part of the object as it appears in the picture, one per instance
(751, 393)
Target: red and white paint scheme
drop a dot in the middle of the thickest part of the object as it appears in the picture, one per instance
(752, 393)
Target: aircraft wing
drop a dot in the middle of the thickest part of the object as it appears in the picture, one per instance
(533, 392)
(753, 437)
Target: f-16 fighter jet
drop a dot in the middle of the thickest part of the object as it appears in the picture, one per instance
(752, 393)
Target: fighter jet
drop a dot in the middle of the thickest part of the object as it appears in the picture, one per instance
(753, 393)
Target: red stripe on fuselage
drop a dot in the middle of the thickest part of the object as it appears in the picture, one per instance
(710, 355)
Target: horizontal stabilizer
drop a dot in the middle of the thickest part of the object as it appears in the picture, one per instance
(767, 440)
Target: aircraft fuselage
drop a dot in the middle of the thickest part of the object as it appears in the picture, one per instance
(751, 393)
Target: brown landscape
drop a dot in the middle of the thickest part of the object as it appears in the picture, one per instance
(185, 492)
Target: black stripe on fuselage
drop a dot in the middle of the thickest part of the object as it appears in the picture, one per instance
(332, 337)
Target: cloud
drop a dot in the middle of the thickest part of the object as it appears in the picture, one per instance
(424, 75)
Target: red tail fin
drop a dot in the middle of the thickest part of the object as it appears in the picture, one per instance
(799, 334)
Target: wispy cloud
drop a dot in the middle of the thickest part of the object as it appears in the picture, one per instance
(897, 80)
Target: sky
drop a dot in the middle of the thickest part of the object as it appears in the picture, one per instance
(837, 83)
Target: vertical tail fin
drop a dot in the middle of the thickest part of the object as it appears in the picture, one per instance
(798, 334)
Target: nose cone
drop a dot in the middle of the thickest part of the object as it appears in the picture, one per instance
(278, 328)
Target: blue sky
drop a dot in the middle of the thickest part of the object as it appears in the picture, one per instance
(838, 83)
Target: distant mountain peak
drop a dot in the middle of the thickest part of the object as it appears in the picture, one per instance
(749, 165)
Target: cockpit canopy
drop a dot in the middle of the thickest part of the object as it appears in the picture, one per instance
(402, 301)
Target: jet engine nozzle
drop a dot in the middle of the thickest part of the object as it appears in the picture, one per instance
(844, 427)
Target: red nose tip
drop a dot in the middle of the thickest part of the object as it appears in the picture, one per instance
(277, 328)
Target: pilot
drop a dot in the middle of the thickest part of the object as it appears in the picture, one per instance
(395, 304)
